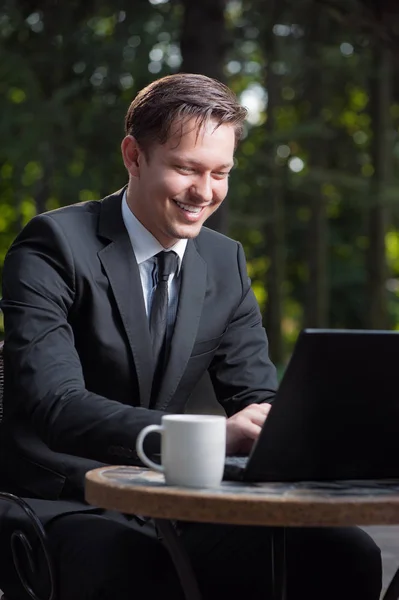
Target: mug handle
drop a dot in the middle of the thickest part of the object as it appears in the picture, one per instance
(139, 447)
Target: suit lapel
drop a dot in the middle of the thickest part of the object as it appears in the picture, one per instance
(191, 300)
(121, 268)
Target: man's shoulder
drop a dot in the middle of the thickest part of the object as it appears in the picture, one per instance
(213, 240)
(78, 211)
(221, 254)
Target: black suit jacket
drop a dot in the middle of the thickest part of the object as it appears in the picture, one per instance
(78, 363)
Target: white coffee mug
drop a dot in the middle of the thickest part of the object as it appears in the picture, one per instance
(193, 449)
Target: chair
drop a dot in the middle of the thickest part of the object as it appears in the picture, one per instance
(21, 548)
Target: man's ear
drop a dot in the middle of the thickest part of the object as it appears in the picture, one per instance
(132, 155)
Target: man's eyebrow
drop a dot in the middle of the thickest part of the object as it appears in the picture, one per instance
(227, 166)
(195, 163)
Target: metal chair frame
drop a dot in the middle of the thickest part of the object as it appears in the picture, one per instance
(19, 540)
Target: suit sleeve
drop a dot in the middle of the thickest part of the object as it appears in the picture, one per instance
(42, 362)
(241, 371)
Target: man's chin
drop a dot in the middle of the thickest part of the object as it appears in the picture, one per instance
(187, 233)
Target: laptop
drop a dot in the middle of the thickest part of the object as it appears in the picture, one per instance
(335, 415)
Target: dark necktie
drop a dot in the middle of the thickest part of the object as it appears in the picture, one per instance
(167, 263)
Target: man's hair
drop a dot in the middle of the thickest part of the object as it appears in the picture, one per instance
(175, 99)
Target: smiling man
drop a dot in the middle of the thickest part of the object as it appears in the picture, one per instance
(92, 356)
(173, 189)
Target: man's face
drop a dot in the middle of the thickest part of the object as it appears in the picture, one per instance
(182, 182)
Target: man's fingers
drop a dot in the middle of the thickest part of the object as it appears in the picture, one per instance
(256, 413)
(257, 418)
(245, 426)
(262, 408)
(252, 430)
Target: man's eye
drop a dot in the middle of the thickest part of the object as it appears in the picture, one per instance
(222, 174)
(185, 169)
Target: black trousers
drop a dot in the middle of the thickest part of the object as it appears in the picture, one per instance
(110, 556)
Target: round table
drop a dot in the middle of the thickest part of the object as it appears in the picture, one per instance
(140, 491)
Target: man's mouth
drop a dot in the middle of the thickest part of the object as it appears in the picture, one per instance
(190, 208)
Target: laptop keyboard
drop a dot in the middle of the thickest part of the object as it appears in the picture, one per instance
(234, 467)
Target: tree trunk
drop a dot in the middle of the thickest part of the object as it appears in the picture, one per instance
(19, 192)
(203, 47)
(316, 304)
(274, 201)
(380, 100)
(43, 185)
(316, 308)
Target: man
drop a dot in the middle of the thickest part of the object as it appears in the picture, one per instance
(87, 366)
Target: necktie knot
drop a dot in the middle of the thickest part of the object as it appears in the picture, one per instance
(167, 263)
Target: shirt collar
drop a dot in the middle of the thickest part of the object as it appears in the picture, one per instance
(145, 245)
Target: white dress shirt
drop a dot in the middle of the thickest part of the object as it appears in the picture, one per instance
(145, 247)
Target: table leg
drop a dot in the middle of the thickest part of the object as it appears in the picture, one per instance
(279, 580)
(180, 559)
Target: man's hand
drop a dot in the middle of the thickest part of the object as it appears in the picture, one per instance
(243, 428)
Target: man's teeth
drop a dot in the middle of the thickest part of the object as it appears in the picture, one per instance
(189, 208)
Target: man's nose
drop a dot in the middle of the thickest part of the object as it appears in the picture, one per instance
(203, 189)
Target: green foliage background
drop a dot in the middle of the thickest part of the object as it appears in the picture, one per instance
(316, 137)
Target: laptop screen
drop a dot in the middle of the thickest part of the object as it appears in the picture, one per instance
(336, 413)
